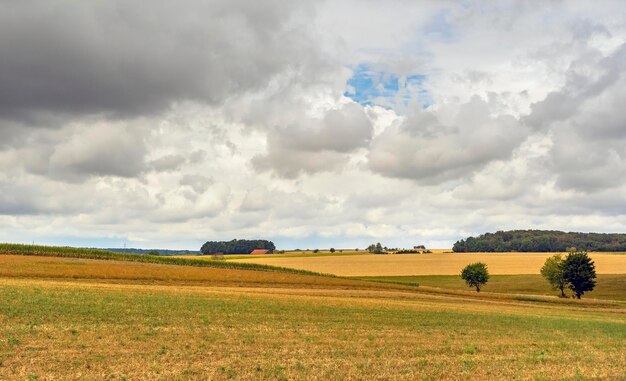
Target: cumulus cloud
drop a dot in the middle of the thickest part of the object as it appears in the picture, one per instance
(432, 147)
(587, 124)
(219, 119)
(315, 145)
(586, 79)
(168, 162)
(198, 183)
(256, 199)
(101, 151)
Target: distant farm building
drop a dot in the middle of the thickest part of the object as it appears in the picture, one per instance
(259, 251)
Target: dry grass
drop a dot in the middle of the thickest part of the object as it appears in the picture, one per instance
(77, 319)
(437, 263)
(54, 267)
(73, 330)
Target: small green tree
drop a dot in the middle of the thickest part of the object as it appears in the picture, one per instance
(154, 252)
(375, 249)
(552, 270)
(332, 249)
(579, 272)
(475, 275)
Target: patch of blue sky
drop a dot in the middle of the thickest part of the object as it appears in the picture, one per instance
(369, 87)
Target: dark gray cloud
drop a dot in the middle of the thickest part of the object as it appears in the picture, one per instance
(70, 62)
(127, 58)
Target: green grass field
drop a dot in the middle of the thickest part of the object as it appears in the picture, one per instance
(75, 318)
(609, 286)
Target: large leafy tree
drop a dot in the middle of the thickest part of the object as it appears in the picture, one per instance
(579, 272)
(475, 275)
(552, 270)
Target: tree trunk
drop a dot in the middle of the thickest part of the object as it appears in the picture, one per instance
(562, 292)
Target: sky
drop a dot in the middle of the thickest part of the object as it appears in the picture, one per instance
(314, 124)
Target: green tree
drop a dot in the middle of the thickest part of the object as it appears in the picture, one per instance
(236, 246)
(579, 272)
(375, 249)
(154, 252)
(552, 270)
(332, 249)
(475, 275)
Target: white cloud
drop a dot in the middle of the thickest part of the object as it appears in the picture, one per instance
(316, 145)
(451, 143)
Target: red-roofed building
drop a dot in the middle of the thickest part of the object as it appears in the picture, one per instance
(260, 251)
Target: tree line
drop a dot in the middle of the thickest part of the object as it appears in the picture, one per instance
(236, 246)
(576, 271)
(541, 241)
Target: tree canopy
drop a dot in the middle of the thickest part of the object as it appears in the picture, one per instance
(475, 275)
(579, 272)
(236, 246)
(552, 270)
(541, 241)
(375, 248)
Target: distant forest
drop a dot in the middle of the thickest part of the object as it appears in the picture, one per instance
(236, 246)
(155, 251)
(541, 241)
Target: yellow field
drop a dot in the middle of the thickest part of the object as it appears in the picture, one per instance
(438, 263)
(17, 266)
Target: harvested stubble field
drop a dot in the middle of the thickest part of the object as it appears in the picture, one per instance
(433, 264)
(78, 319)
(17, 266)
